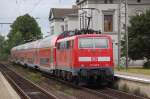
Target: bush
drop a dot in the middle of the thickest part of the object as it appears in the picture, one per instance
(125, 88)
(3, 56)
(146, 65)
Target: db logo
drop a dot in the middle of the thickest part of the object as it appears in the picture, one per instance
(94, 58)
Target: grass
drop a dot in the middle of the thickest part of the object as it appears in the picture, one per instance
(34, 76)
(136, 91)
(136, 70)
(125, 88)
(3, 56)
(64, 89)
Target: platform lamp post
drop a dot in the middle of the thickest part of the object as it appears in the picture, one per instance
(120, 7)
(126, 31)
(119, 33)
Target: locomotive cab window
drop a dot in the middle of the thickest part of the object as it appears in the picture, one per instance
(93, 43)
(85, 43)
(65, 45)
(101, 43)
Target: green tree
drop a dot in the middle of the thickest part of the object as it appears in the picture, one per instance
(27, 26)
(3, 56)
(139, 37)
(2, 39)
(23, 29)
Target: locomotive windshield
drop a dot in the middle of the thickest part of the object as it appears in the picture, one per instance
(93, 43)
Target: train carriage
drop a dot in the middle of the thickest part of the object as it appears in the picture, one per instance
(30, 54)
(46, 53)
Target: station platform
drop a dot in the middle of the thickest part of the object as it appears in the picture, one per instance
(6, 91)
(134, 77)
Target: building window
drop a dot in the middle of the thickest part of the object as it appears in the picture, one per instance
(139, 12)
(83, 20)
(66, 27)
(108, 1)
(52, 30)
(77, 1)
(105, 1)
(138, 1)
(111, 1)
(108, 23)
(62, 28)
(80, 22)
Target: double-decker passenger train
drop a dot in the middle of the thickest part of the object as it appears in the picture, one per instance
(72, 56)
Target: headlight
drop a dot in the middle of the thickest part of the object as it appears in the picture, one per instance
(104, 59)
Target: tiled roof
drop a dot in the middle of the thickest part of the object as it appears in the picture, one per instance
(62, 12)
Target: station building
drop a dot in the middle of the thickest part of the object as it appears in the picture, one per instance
(103, 14)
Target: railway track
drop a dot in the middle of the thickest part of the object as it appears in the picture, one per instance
(25, 88)
(104, 93)
(108, 93)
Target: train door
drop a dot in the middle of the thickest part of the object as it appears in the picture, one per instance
(52, 57)
(71, 51)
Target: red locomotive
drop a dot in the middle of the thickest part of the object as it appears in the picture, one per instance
(72, 56)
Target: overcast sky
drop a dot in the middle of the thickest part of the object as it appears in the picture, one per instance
(10, 9)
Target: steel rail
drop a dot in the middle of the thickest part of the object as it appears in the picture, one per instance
(103, 93)
(106, 93)
(119, 94)
(25, 88)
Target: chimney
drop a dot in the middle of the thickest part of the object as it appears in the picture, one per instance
(74, 7)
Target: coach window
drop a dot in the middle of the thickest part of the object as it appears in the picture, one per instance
(30, 60)
(44, 61)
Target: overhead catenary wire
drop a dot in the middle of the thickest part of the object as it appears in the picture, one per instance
(35, 5)
(31, 10)
(18, 6)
